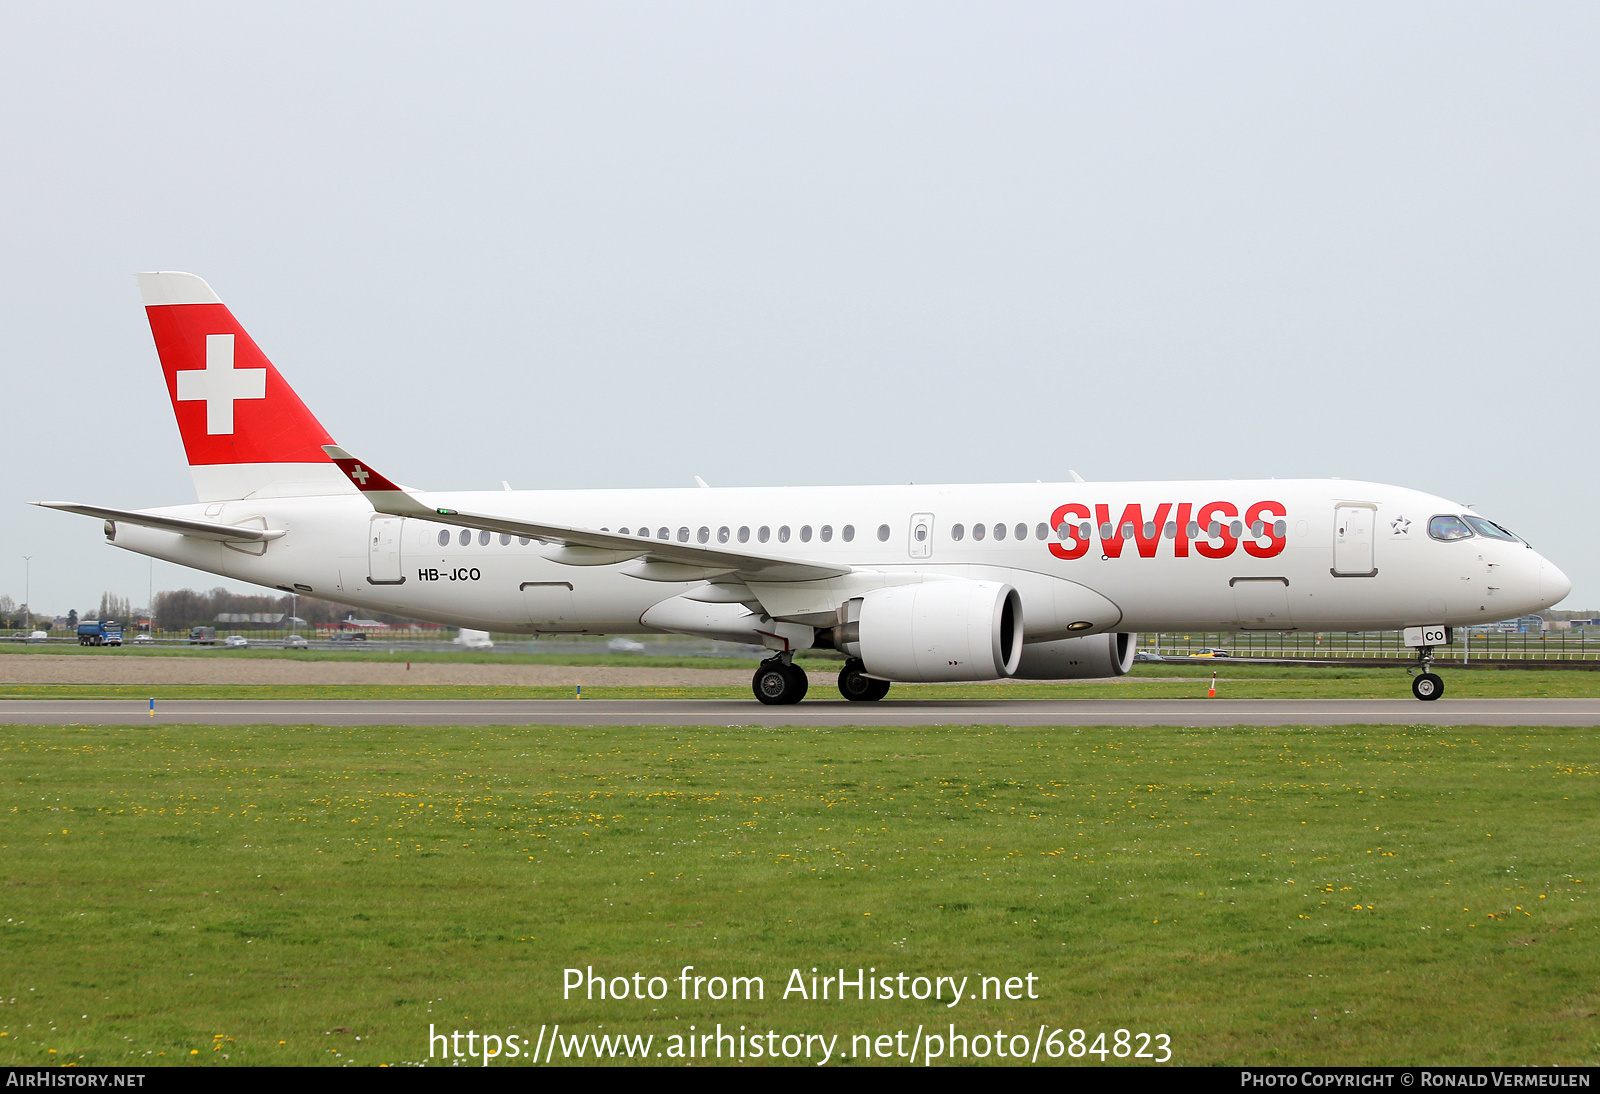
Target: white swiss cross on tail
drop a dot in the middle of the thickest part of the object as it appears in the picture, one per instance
(219, 384)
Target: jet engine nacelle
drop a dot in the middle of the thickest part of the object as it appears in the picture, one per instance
(936, 630)
(1094, 656)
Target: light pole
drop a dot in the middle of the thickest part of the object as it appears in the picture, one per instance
(150, 599)
(27, 591)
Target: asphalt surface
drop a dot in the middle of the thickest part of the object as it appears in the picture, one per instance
(821, 712)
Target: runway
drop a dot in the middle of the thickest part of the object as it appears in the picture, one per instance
(820, 713)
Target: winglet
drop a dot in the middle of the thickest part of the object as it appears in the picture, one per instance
(384, 495)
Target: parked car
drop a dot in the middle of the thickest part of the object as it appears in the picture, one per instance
(1208, 652)
(142, 640)
(236, 642)
(296, 642)
(1146, 655)
(38, 636)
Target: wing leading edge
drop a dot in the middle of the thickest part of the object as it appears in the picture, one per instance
(650, 560)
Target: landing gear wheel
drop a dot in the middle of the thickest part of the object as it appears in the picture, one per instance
(859, 688)
(777, 684)
(801, 682)
(1427, 687)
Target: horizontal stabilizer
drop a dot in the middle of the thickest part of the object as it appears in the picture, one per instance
(200, 529)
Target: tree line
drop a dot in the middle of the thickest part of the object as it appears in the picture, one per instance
(180, 609)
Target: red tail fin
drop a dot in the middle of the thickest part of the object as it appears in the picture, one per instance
(244, 429)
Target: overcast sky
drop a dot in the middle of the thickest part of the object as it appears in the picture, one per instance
(621, 245)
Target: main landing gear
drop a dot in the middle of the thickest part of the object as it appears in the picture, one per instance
(779, 682)
(858, 687)
(1426, 685)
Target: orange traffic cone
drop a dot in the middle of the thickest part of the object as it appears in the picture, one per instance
(1212, 693)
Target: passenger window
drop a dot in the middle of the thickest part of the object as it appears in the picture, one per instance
(663, 533)
(483, 539)
(848, 533)
(523, 540)
(465, 537)
(1280, 528)
(643, 531)
(622, 531)
(744, 533)
(1448, 528)
(683, 535)
(1489, 528)
(1021, 531)
(1105, 531)
(1127, 530)
(1236, 528)
(444, 537)
(722, 534)
(805, 533)
(827, 533)
(1063, 530)
(1042, 532)
(1214, 530)
(999, 531)
(956, 532)
(783, 533)
(764, 534)
(505, 540)
(703, 535)
(883, 533)
(1257, 528)
(978, 531)
(1171, 530)
(1193, 531)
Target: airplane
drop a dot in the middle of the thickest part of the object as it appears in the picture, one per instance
(911, 583)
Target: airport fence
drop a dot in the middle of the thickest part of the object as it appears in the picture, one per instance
(1487, 646)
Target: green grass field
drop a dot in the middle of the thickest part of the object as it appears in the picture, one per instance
(309, 895)
(1145, 682)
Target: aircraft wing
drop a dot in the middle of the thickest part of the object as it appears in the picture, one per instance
(201, 529)
(655, 560)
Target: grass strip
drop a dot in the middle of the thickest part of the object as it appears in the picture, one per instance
(1165, 683)
(314, 895)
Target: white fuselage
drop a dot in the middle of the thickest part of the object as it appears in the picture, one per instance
(1331, 554)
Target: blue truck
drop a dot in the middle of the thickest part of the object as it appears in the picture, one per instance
(99, 632)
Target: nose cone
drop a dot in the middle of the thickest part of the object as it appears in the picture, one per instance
(1553, 584)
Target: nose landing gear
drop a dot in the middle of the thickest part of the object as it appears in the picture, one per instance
(1426, 685)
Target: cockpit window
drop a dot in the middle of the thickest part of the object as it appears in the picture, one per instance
(1448, 528)
(1489, 528)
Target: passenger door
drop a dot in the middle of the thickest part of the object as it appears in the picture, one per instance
(1352, 540)
(383, 551)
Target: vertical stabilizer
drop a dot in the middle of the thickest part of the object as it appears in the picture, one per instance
(245, 431)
